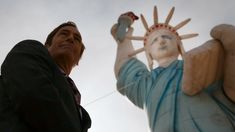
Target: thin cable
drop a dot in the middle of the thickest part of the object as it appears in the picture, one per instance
(108, 94)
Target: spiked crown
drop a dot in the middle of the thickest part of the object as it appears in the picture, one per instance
(158, 27)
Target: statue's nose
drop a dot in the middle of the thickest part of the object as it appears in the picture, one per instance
(162, 41)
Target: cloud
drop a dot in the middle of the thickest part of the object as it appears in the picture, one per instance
(94, 76)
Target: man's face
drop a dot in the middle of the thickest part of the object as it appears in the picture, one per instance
(66, 44)
(162, 44)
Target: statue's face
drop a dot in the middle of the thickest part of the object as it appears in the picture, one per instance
(162, 44)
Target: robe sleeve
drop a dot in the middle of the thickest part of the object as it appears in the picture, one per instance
(134, 81)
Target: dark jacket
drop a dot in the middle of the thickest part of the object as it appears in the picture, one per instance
(35, 96)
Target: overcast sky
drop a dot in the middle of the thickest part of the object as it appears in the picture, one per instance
(110, 111)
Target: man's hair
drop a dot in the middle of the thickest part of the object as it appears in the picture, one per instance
(52, 34)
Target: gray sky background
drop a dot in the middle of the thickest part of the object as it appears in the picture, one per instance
(110, 111)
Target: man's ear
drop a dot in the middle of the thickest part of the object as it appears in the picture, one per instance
(46, 45)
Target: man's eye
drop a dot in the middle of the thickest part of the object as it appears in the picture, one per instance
(63, 33)
(78, 39)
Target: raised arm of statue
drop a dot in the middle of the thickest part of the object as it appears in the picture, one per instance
(120, 33)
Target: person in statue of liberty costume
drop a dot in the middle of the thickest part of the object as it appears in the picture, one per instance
(171, 106)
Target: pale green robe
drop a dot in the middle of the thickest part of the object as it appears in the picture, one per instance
(168, 108)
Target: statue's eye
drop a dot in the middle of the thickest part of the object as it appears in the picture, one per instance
(166, 37)
(154, 41)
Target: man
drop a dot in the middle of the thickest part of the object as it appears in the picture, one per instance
(36, 93)
(160, 91)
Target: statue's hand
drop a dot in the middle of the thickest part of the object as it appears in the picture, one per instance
(226, 34)
(202, 67)
(114, 31)
(120, 30)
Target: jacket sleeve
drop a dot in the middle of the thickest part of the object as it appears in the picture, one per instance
(28, 74)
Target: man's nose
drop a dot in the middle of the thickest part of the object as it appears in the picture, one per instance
(70, 38)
